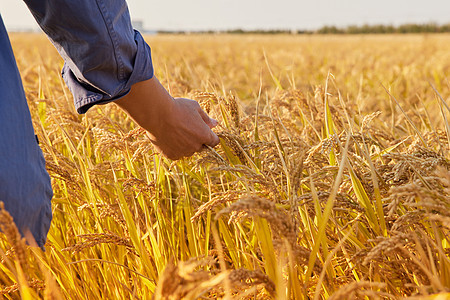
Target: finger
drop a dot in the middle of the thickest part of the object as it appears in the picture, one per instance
(209, 121)
(213, 123)
(214, 140)
(190, 154)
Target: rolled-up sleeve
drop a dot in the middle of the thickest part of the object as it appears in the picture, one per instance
(103, 55)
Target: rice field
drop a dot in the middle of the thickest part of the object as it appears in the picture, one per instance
(331, 180)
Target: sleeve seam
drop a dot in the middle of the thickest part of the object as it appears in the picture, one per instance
(114, 39)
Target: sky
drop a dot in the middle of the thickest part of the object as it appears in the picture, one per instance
(260, 14)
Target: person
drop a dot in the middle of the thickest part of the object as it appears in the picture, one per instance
(105, 60)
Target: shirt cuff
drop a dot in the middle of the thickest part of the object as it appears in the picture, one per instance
(87, 95)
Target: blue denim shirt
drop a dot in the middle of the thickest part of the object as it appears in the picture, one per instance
(103, 55)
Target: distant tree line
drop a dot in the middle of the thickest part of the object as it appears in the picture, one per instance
(353, 29)
(231, 31)
(406, 28)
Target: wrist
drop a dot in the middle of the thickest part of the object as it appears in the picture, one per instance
(147, 103)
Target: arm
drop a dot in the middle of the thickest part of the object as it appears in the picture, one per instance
(106, 60)
(177, 127)
(103, 55)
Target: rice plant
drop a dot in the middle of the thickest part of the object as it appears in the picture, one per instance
(331, 180)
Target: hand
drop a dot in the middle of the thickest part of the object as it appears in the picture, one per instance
(184, 130)
(177, 127)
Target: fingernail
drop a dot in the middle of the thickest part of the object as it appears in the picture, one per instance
(213, 122)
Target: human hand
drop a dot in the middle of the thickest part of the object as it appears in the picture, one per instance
(183, 130)
(177, 127)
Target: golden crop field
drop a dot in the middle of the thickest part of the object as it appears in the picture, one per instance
(331, 180)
